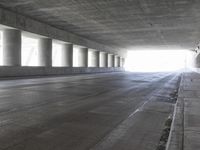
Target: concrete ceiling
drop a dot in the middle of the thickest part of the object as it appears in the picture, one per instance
(128, 24)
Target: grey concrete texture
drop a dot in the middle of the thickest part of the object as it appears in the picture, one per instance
(171, 23)
(185, 133)
(107, 60)
(45, 52)
(97, 59)
(16, 20)
(196, 59)
(103, 59)
(116, 61)
(111, 60)
(93, 58)
(83, 57)
(112, 111)
(67, 55)
(121, 62)
(12, 47)
(48, 71)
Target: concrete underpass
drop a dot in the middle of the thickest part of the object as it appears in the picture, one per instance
(69, 78)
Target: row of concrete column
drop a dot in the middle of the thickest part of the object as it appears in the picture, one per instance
(12, 53)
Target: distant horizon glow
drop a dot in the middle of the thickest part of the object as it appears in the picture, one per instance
(157, 60)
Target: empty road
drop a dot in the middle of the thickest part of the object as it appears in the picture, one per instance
(113, 111)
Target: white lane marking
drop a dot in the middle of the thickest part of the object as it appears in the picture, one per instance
(117, 133)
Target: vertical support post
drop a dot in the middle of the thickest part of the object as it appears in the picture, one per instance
(123, 62)
(83, 57)
(103, 59)
(98, 59)
(67, 55)
(118, 65)
(45, 52)
(107, 60)
(11, 47)
(113, 61)
(116, 61)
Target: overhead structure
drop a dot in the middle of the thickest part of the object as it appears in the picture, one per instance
(119, 23)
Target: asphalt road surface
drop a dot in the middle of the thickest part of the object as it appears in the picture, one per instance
(113, 111)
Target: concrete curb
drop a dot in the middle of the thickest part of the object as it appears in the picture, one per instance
(19, 71)
(176, 136)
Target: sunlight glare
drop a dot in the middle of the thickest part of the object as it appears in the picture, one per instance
(29, 51)
(56, 54)
(155, 60)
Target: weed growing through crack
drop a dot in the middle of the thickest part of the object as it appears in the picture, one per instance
(167, 127)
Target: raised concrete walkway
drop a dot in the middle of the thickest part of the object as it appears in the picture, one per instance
(185, 132)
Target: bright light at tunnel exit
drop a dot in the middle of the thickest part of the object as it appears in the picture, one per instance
(156, 60)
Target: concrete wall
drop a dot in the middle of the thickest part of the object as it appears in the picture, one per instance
(24, 23)
(46, 33)
(42, 71)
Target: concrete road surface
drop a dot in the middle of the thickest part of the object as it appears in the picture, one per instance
(115, 111)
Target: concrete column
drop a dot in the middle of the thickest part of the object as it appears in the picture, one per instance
(83, 57)
(103, 59)
(118, 64)
(107, 60)
(67, 55)
(45, 52)
(110, 60)
(11, 47)
(113, 61)
(194, 60)
(121, 62)
(116, 61)
(98, 59)
(93, 57)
